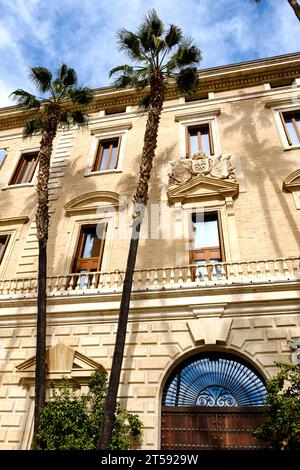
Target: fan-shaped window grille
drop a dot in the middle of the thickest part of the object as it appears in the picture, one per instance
(214, 380)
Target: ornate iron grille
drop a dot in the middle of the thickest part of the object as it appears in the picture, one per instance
(214, 380)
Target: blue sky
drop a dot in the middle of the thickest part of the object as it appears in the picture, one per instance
(81, 33)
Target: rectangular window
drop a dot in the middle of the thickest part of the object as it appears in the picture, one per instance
(207, 241)
(4, 239)
(26, 168)
(89, 250)
(291, 124)
(2, 156)
(199, 139)
(107, 155)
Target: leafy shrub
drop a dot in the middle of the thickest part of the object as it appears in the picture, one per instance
(72, 422)
(282, 428)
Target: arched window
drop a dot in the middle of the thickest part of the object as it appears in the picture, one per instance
(214, 379)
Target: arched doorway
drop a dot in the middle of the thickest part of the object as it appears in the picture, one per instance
(212, 401)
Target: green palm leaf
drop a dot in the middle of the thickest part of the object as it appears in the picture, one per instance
(187, 80)
(70, 78)
(81, 95)
(78, 117)
(173, 36)
(125, 69)
(129, 43)
(41, 77)
(32, 127)
(25, 99)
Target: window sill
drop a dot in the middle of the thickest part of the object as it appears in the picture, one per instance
(14, 186)
(103, 172)
(292, 147)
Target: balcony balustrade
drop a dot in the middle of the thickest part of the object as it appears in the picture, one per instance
(179, 277)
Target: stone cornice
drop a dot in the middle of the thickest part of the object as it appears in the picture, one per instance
(274, 298)
(216, 79)
(14, 220)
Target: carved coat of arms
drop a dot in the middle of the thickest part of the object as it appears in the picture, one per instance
(220, 167)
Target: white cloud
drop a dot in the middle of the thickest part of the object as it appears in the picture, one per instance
(82, 33)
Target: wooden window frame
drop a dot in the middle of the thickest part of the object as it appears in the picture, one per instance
(297, 130)
(199, 126)
(5, 244)
(192, 253)
(4, 157)
(79, 245)
(99, 154)
(29, 174)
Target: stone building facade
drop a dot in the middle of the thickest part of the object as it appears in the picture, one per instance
(217, 273)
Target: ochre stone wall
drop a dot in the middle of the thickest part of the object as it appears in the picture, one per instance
(152, 350)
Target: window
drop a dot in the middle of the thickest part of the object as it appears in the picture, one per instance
(207, 243)
(291, 124)
(25, 170)
(2, 156)
(199, 139)
(107, 154)
(4, 239)
(90, 248)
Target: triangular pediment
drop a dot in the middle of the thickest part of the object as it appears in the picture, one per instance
(202, 187)
(62, 359)
(292, 181)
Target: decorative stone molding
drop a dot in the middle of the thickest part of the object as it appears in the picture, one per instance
(62, 361)
(202, 188)
(92, 201)
(14, 220)
(292, 184)
(197, 115)
(295, 348)
(210, 330)
(184, 170)
(229, 77)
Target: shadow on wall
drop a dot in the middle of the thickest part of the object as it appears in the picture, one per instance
(261, 171)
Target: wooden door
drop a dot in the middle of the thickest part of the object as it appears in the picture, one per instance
(208, 428)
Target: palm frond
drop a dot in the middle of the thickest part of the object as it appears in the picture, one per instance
(125, 69)
(123, 81)
(159, 44)
(78, 117)
(62, 72)
(187, 80)
(144, 102)
(173, 36)
(151, 28)
(153, 23)
(32, 127)
(129, 43)
(70, 78)
(41, 77)
(81, 95)
(187, 54)
(65, 117)
(25, 99)
(57, 86)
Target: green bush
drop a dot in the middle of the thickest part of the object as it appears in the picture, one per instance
(71, 422)
(282, 428)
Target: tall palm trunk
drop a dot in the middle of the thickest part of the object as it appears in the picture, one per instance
(42, 223)
(140, 201)
(296, 7)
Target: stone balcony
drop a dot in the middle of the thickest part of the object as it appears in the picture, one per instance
(243, 273)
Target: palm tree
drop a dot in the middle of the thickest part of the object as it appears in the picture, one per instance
(159, 54)
(57, 107)
(294, 4)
